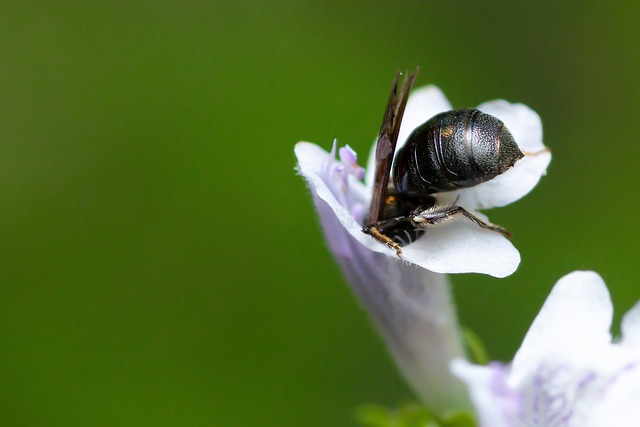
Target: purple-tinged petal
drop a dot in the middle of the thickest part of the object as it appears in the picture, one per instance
(567, 372)
(456, 247)
(411, 307)
(349, 158)
(619, 404)
(496, 404)
(575, 318)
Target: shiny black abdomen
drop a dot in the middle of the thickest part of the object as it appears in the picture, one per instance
(452, 150)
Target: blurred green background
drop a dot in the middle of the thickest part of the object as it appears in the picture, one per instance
(162, 265)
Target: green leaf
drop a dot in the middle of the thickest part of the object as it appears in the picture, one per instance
(410, 414)
(374, 416)
(459, 419)
(475, 347)
(415, 415)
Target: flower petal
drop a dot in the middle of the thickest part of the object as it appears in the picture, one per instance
(512, 185)
(618, 405)
(423, 103)
(523, 123)
(370, 171)
(495, 403)
(567, 372)
(462, 247)
(410, 306)
(575, 319)
(412, 309)
(526, 128)
(457, 247)
(504, 189)
(630, 327)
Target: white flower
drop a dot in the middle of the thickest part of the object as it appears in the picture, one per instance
(412, 306)
(568, 372)
(459, 246)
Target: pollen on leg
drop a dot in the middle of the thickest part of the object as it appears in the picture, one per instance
(376, 234)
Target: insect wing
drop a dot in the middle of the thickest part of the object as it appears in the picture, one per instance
(387, 141)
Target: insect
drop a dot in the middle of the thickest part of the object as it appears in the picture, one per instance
(452, 150)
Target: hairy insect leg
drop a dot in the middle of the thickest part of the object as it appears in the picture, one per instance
(395, 232)
(384, 239)
(423, 218)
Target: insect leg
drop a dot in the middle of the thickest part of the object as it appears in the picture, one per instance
(423, 218)
(395, 232)
(374, 232)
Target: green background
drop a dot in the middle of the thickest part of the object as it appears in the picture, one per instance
(162, 265)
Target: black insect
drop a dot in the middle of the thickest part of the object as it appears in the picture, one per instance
(452, 150)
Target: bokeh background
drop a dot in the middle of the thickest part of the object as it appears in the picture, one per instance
(161, 263)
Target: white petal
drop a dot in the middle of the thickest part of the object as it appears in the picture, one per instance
(457, 247)
(462, 247)
(526, 128)
(495, 404)
(567, 372)
(412, 309)
(504, 189)
(370, 171)
(523, 123)
(575, 319)
(619, 404)
(423, 103)
(630, 327)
